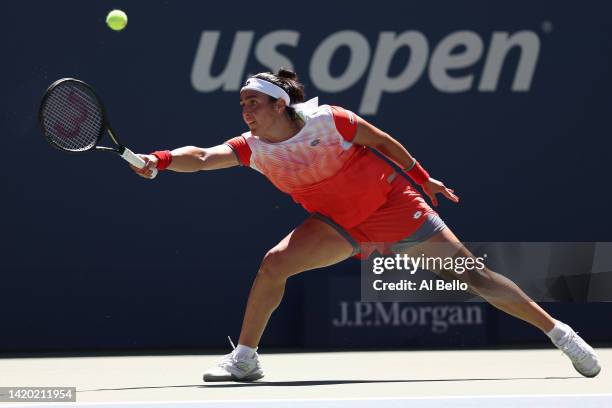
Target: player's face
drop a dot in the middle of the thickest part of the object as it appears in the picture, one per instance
(258, 111)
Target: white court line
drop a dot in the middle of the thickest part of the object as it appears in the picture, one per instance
(463, 401)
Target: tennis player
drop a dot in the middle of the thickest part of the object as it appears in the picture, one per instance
(323, 156)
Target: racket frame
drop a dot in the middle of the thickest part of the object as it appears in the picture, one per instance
(119, 148)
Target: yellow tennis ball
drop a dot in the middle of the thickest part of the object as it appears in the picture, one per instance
(116, 20)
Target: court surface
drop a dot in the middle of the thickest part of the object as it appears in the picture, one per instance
(507, 378)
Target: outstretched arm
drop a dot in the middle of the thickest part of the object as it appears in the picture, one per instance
(190, 159)
(369, 135)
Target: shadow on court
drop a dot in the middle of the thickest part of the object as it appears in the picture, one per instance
(323, 382)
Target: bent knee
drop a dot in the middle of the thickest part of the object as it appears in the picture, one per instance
(275, 265)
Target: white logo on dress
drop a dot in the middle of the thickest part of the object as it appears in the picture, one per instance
(417, 215)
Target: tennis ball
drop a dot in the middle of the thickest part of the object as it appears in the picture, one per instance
(116, 20)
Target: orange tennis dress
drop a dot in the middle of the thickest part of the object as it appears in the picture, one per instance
(329, 175)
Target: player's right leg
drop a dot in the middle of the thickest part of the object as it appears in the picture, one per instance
(312, 245)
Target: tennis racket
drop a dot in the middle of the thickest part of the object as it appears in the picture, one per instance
(73, 119)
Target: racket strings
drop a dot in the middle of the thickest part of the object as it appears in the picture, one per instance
(72, 117)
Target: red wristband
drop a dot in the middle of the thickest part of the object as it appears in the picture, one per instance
(164, 158)
(418, 173)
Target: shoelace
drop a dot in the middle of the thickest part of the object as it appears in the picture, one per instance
(228, 358)
(575, 344)
(231, 342)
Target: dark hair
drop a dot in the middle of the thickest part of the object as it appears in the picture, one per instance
(288, 80)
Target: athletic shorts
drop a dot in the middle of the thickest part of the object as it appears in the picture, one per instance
(404, 220)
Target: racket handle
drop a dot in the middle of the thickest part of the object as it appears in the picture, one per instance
(136, 161)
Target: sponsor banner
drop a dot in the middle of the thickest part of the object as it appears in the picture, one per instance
(335, 317)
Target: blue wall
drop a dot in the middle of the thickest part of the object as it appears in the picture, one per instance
(95, 257)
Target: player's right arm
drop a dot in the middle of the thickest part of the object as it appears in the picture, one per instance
(190, 159)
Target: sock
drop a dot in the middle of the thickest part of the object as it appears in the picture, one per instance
(244, 352)
(559, 331)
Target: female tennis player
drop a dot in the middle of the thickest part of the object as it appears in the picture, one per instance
(323, 156)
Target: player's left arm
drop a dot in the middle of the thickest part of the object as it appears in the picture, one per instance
(369, 135)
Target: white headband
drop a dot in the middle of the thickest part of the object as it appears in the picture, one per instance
(273, 90)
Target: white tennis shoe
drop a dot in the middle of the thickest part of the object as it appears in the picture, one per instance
(232, 369)
(582, 355)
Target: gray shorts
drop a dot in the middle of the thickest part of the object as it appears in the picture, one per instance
(432, 225)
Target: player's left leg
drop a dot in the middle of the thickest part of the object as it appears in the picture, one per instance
(498, 290)
(504, 294)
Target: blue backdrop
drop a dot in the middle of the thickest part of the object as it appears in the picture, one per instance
(507, 103)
